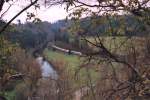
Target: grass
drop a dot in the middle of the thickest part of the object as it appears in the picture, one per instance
(72, 60)
(10, 95)
(119, 45)
(73, 64)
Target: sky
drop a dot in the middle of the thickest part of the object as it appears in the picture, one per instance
(51, 14)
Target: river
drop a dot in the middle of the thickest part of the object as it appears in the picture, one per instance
(49, 72)
(47, 69)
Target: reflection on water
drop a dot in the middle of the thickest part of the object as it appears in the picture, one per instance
(47, 69)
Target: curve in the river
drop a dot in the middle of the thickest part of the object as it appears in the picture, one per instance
(47, 69)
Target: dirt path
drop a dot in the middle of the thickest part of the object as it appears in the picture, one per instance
(66, 50)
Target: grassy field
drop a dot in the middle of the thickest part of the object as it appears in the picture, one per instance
(72, 60)
(10, 95)
(73, 65)
(117, 45)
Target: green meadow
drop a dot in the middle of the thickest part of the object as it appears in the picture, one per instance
(78, 73)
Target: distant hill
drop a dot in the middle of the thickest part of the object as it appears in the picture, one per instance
(31, 35)
(124, 25)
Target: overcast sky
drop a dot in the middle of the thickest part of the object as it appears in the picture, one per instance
(51, 14)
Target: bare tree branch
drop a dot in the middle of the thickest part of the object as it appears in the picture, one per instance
(3, 29)
(10, 5)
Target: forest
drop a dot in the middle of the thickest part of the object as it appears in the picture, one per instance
(101, 51)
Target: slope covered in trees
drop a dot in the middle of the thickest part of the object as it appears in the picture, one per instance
(30, 35)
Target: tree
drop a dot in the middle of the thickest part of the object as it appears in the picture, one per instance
(15, 65)
(129, 55)
(114, 54)
(27, 65)
(2, 3)
(8, 68)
